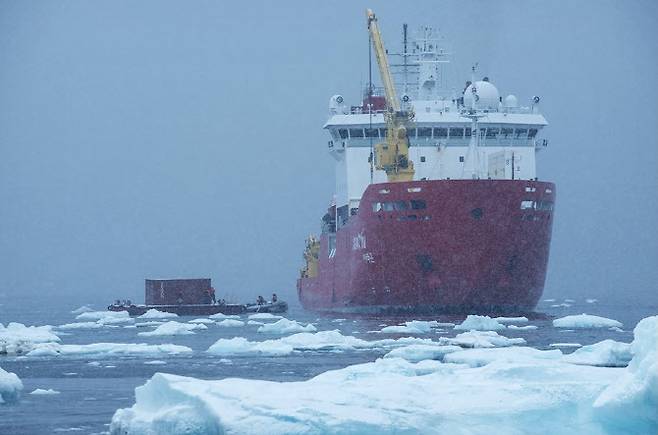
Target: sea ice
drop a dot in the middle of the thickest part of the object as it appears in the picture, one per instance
(481, 339)
(607, 353)
(81, 325)
(479, 323)
(241, 346)
(506, 355)
(82, 309)
(16, 338)
(155, 314)
(230, 323)
(565, 345)
(155, 362)
(102, 315)
(264, 316)
(100, 350)
(507, 320)
(285, 326)
(591, 301)
(522, 328)
(202, 320)
(220, 316)
(150, 323)
(585, 321)
(42, 392)
(254, 322)
(173, 328)
(419, 352)
(10, 387)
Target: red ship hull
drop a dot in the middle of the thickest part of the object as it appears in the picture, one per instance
(477, 246)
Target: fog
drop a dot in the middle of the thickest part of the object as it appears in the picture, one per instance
(184, 139)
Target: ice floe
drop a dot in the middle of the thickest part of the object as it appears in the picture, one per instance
(16, 338)
(481, 339)
(585, 321)
(522, 328)
(419, 352)
(81, 325)
(202, 320)
(106, 317)
(264, 316)
(514, 320)
(518, 390)
(411, 327)
(607, 353)
(230, 323)
(591, 301)
(10, 387)
(173, 328)
(565, 345)
(82, 309)
(42, 392)
(238, 346)
(479, 323)
(100, 350)
(221, 316)
(285, 326)
(155, 362)
(155, 314)
(254, 322)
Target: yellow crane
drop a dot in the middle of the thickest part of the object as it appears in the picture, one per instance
(391, 156)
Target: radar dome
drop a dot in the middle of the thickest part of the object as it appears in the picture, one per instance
(486, 96)
(511, 101)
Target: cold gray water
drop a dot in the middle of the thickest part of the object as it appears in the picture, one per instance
(92, 389)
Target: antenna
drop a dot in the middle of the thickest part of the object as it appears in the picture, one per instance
(404, 56)
(372, 157)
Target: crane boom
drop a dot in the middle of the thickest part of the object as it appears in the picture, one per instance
(382, 62)
(391, 156)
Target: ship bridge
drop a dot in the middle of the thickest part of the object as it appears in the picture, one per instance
(468, 133)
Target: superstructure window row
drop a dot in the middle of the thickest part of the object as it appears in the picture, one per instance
(487, 133)
(414, 204)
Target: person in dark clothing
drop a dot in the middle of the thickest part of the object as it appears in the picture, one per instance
(260, 300)
(274, 298)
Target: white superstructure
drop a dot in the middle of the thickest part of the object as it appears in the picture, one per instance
(474, 133)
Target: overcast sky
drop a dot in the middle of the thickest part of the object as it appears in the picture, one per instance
(184, 139)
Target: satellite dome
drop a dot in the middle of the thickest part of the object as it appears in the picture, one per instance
(511, 101)
(486, 95)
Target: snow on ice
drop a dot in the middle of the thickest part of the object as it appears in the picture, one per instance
(607, 353)
(285, 326)
(507, 320)
(480, 323)
(155, 314)
(230, 323)
(513, 389)
(173, 328)
(16, 338)
(585, 321)
(10, 387)
(419, 352)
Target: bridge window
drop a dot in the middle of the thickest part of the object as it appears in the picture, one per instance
(440, 132)
(422, 159)
(520, 133)
(356, 133)
(382, 133)
(456, 133)
(343, 133)
(545, 205)
(411, 133)
(390, 206)
(506, 132)
(492, 133)
(371, 132)
(424, 132)
(525, 205)
(532, 133)
(418, 204)
(467, 132)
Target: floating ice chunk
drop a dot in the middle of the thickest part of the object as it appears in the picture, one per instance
(10, 387)
(338, 320)
(569, 301)
(241, 346)
(616, 329)
(151, 323)
(155, 314)
(412, 327)
(16, 338)
(419, 352)
(100, 350)
(507, 355)
(514, 320)
(565, 345)
(202, 320)
(285, 326)
(155, 362)
(221, 316)
(173, 328)
(81, 325)
(479, 323)
(585, 321)
(591, 301)
(93, 363)
(102, 315)
(264, 316)
(630, 402)
(230, 323)
(522, 328)
(42, 392)
(549, 300)
(82, 309)
(607, 353)
(481, 339)
(254, 322)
